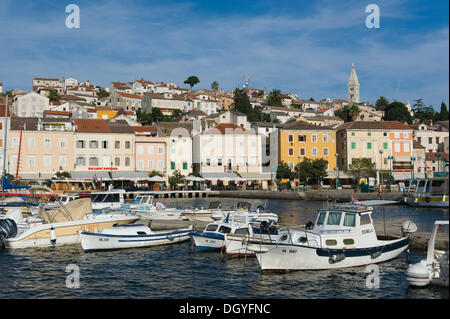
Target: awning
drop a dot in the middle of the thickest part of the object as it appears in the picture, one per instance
(157, 178)
(106, 175)
(225, 176)
(256, 176)
(191, 178)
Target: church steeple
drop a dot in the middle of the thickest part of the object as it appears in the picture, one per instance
(353, 87)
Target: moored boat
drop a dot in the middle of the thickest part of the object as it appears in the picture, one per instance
(131, 236)
(243, 213)
(429, 192)
(433, 270)
(342, 236)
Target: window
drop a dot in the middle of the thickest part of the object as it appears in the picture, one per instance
(385, 145)
(334, 218)
(47, 160)
(93, 144)
(290, 151)
(321, 219)
(325, 151)
(353, 133)
(104, 144)
(430, 140)
(160, 150)
(331, 242)
(291, 138)
(31, 142)
(397, 147)
(211, 227)
(62, 161)
(62, 143)
(396, 135)
(349, 241)
(437, 140)
(405, 147)
(365, 219)
(208, 162)
(140, 165)
(81, 144)
(93, 161)
(127, 161)
(314, 151)
(325, 138)
(185, 165)
(172, 165)
(241, 231)
(127, 144)
(369, 134)
(160, 165)
(80, 161)
(369, 145)
(353, 145)
(224, 230)
(150, 164)
(117, 144)
(302, 151)
(150, 150)
(173, 150)
(140, 149)
(350, 220)
(116, 161)
(47, 143)
(314, 138)
(405, 135)
(302, 138)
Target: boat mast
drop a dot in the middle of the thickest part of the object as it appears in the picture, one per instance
(18, 156)
(5, 145)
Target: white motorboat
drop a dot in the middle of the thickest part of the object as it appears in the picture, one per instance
(235, 245)
(432, 270)
(243, 213)
(131, 236)
(59, 226)
(58, 201)
(429, 192)
(343, 236)
(145, 207)
(204, 215)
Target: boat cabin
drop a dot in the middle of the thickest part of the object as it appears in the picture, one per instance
(432, 186)
(344, 226)
(109, 199)
(228, 228)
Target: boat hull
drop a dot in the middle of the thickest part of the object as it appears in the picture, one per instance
(429, 201)
(287, 257)
(66, 233)
(97, 241)
(236, 245)
(207, 241)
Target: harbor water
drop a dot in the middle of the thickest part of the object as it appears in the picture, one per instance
(177, 271)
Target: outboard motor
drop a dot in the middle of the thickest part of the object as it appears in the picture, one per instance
(309, 225)
(8, 228)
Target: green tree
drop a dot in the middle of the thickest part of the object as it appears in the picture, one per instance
(102, 93)
(155, 173)
(215, 86)
(312, 169)
(284, 171)
(348, 113)
(423, 113)
(443, 115)
(382, 103)
(397, 111)
(362, 167)
(53, 96)
(175, 178)
(274, 98)
(192, 80)
(62, 174)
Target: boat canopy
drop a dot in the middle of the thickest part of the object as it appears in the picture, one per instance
(74, 210)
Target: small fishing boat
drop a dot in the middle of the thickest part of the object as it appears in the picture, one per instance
(243, 213)
(204, 215)
(432, 270)
(342, 236)
(131, 236)
(429, 192)
(58, 201)
(145, 207)
(110, 199)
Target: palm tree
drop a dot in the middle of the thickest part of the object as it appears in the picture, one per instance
(215, 86)
(274, 98)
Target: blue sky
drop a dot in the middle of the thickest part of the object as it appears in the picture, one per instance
(306, 47)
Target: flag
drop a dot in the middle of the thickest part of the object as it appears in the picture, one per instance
(354, 200)
(95, 178)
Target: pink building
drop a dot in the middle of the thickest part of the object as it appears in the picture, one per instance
(150, 149)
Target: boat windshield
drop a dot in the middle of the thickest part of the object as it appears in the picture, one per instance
(224, 230)
(241, 231)
(334, 218)
(211, 227)
(350, 219)
(321, 219)
(100, 198)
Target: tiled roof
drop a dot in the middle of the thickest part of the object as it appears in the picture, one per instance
(92, 126)
(432, 156)
(227, 128)
(369, 125)
(304, 126)
(63, 113)
(143, 129)
(133, 96)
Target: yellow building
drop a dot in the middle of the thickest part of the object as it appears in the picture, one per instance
(299, 140)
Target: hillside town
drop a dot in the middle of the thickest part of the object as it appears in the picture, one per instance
(125, 134)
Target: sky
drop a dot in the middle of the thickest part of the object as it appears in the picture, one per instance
(302, 47)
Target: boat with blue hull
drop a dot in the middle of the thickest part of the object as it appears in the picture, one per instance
(342, 236)
(131, 236)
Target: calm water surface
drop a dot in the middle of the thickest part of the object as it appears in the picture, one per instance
(175, 271)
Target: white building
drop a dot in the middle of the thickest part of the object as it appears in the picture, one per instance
(432, 138)
(30, 105)
(167, 102)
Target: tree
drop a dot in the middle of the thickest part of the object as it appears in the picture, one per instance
(192, 80)
(62, 174)
(53, 96)
(362, 167)
(348, 113)
(397, 111)
(102, 93)
(423, 113)
(382, 103)
(215, 86)
(155, 173)
(274, 98)
(175, 178)
(443, 115)
(312, 169)
(284, 171)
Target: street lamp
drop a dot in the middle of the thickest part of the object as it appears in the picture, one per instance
(338, 184)
(390, 158)
(298, 184)
(412, 170)
(381, 166)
